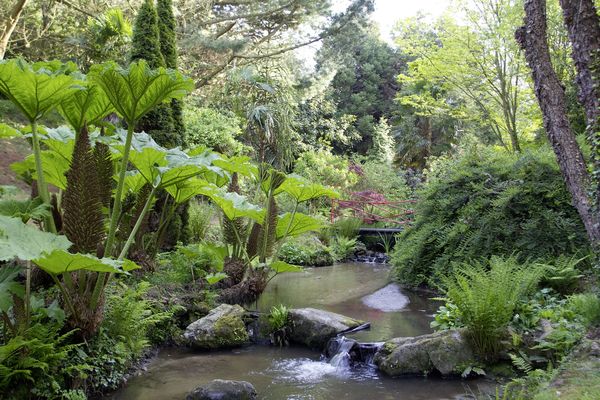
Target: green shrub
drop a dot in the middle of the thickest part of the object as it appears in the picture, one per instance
(343, 248)
(37, 362)
(278, 317)
(347, 227)
(586, 306)
(186, 264)
(379, 177)
(305, 251)
(482, 203)
(129, 317)
(562, 273)
(212, 128)
(278, 325)
(486, 295)
(200, 215)
(325, 168)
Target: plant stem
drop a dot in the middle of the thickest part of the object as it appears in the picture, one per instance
(27, 294)
(65, 295)
(116, 211)
(41, 181)
(137, 225)
(102, 278)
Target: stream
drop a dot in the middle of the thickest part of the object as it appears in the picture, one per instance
(360, 291)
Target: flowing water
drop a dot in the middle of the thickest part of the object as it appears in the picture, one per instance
(294, 373)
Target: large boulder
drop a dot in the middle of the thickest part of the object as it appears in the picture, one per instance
(445, 352)
(314, 328)
(222, 327)
(220, 389)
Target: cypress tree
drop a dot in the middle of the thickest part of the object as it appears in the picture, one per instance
(146, 37)
(168, 48)
(146, 45)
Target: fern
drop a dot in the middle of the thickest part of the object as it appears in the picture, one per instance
(486, 295)
(521, 362)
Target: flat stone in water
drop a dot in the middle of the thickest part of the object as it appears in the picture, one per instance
(387, 299)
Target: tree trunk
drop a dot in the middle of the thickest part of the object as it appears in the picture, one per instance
(551, 96)
(583, 25)
(10, 24)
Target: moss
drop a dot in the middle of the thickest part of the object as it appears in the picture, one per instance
(230, 330)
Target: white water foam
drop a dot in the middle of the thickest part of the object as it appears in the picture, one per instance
(387, 299)
(304, 370)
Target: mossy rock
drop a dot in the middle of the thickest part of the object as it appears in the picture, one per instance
(223, 327)
(441, 351)
(313, 327)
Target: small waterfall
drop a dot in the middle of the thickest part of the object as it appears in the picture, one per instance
(342, 358)
(344, 353)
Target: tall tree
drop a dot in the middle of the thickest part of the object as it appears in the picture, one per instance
(532, 37)
(479, 62)
(364, 84)
(10, 24)
(383, 148)
(583, 25)
(168, 49)
(146, 45)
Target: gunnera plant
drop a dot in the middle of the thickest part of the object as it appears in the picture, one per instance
(486, 294)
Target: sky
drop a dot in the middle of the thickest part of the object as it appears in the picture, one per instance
(387, 12)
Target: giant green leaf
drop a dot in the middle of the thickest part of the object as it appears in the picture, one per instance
(59, 140)
(56, 161)
(88, 105)
(240, 164)
(299, 224)
(147, 162)
(35, 88)
(234, 206)
(134, 181)
(281, 266)
(182, 166)
(137, 89)
(9, 286)
(54, 166)
(185, 190)
(303, 190)
(61, 261)
(7, 132)
(25, 242)
(215, 277)
(25, 209)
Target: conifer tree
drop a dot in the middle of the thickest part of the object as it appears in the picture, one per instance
(146, 45)
(383, 143)
(168, 48)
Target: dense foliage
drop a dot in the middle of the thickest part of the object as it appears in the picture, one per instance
(482, 203)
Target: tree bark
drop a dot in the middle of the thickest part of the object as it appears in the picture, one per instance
(532, 37)
(583, 25)
(10, 24)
